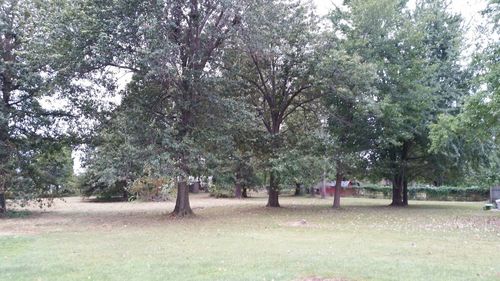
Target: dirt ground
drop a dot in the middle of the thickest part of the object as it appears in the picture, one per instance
(77, 214)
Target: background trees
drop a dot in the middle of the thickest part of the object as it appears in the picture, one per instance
(274, 61)
(233, 89)
(417, 57)
(33, 157)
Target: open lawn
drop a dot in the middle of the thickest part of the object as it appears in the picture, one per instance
(232, 239)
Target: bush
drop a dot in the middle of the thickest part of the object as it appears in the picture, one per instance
(151, 189)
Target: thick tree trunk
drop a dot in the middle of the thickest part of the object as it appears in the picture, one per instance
(196, 187)
(182, 206)
(397, 190)
(273, 200)
(244, 193)
(338, 190)
(3, 205)
(298, 189)
(237, 191)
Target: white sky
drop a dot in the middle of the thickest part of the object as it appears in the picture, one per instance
(469, 9)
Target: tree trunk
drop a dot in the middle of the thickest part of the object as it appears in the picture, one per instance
(338, 190)
(3, 207)
(298, 189)
(273, 200)
(405, 193)
(196, 187)
(323, 187)
(397, 199)
(237, 191)
(182, 206)
(244, 193)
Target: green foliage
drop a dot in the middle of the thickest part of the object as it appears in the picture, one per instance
(151, 189)
(471, 137)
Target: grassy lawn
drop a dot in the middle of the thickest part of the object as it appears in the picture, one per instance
(242, 240)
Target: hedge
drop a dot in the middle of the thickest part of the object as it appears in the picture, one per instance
(445, 193)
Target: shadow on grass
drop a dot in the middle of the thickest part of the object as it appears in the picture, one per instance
(16, 214)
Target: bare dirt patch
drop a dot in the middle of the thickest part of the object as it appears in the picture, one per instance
(74, 215)
(323, 279)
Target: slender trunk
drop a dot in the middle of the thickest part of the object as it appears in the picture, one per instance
(273, 200)
(196, 187)
(237, 191)
(244, 193)
(405, 193)
(182, 206)
(3, 207)
(323, 187)
(298, 189)
(125, 195)
(338, 189)
(312, 191)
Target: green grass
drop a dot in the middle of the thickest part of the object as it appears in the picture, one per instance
(245, 241)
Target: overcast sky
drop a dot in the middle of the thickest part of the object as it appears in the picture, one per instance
(468, 8)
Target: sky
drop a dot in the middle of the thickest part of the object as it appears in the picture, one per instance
(469, 9)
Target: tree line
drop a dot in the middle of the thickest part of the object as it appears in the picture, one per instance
(246, 93)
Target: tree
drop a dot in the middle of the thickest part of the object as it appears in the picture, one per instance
(349, 97)
(273, 59)
(167, 45)
(470, 138)
(28, 71)
(416, 54)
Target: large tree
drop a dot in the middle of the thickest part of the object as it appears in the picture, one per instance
(416, 53)
(470, 138)
(168, 45)
(29, 123)
(273, 59)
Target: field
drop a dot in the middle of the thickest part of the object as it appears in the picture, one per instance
(231, 239)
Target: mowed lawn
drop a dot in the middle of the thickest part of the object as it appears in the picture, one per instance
(231, 239)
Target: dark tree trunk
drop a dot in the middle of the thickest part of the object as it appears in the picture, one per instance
(182, 206)
(3, 207)
(196, 187)
(237, 191)
(338, 190)
(397, 189)
(244, 193)
(125, 195)
(405, 193)
(298, 189)
(273, 200)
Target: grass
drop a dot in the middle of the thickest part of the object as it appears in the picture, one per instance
(242, 240)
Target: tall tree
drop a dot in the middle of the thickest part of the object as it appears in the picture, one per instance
(28, 68)
(170, 45)
(470, 138)
(416, 53)
(274, 61)
(349, 98)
